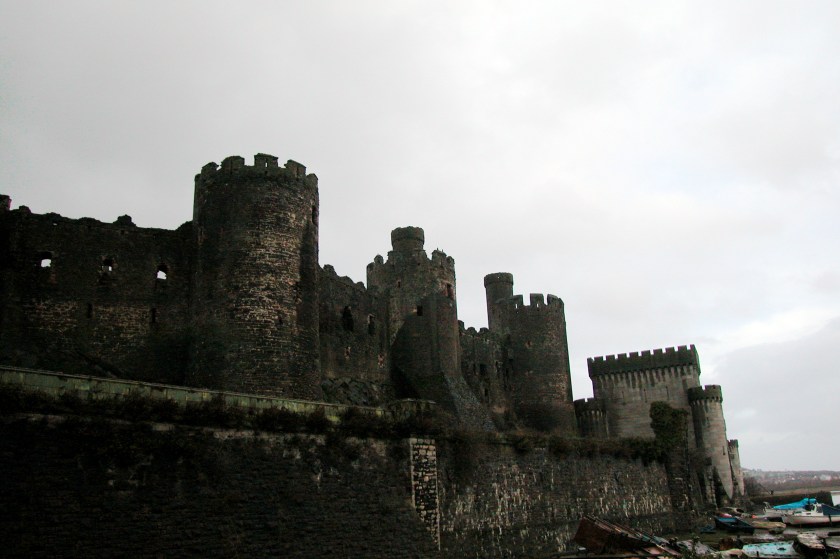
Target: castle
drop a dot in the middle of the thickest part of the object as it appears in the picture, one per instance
(235, 300)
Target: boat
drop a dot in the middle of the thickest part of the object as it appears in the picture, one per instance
(603, 538)
(810, 544)
(772, 550)
(733, 524)
(779, 511)
(814, 515)
(771, 526)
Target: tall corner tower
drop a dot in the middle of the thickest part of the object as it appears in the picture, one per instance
(537, 367)
(737, 471)
(254, 305)
(710, 433)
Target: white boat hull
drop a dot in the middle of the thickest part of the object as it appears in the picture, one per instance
(811, 520)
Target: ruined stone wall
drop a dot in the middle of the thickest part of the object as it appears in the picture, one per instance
(255, 294)
(482, 357)
(628, 384)
(79, 295)
(96, 488)
(355, 360)
(497, 501)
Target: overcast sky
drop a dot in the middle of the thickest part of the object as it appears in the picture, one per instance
(669, 169)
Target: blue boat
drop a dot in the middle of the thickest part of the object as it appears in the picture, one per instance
(733, 524)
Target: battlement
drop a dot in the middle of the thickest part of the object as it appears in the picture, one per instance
(639, 361)
(709, 392)
(589, 406)
(264, 165)
(537, 301)
(440, 258)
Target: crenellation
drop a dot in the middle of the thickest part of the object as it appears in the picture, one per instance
(682, 355)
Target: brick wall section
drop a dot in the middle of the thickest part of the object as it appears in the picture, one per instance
(424, 484)
(354, 342)
(497, 502)
(78, 488)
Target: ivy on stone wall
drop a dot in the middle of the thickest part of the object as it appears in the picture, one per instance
(669, 426)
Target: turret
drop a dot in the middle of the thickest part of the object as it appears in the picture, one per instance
(422, 325)
(255, 278)
(710, 433)
(409, 275)
(408, 239)
(498, 289)
(737, 472)
(591, 418)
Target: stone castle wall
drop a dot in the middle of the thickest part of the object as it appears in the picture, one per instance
(114, 489)
(627, 384)
(82, 295)
(497, 501)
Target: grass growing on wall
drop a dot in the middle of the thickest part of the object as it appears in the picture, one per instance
(215, 413)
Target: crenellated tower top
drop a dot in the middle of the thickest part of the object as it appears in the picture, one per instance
(264, 165)
(645, 360)
(710, 392)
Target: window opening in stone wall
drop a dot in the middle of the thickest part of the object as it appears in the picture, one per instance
(279, 319)
(399, 283)
(89, 311)
(419, 310)
(449, 291)
(153, 316)
(482, 368)
(108, 265)
(314, 215)
(162, 272)
(371, 325)
(347, 319)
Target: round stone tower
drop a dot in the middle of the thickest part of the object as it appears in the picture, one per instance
(498, 289)
(536, 369)
(255, 278)
(710, 433)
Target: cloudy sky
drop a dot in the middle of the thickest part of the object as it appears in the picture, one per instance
(670, 169)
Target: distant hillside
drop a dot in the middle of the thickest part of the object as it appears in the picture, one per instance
(782, 482)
